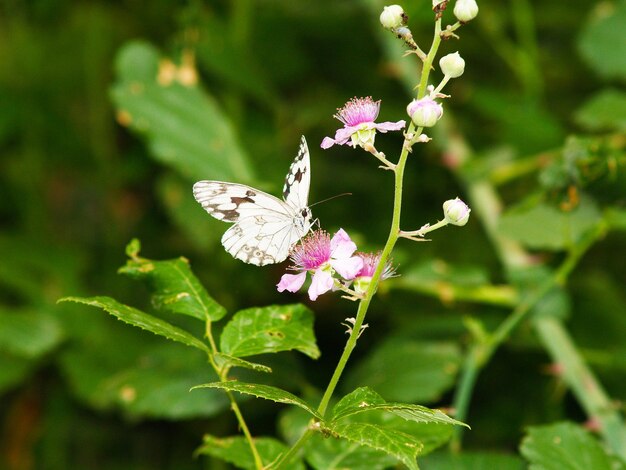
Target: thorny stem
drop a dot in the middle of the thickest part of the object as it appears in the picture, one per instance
(394, 233)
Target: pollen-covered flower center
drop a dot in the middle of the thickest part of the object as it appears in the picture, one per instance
(358, 111)
(313, 251)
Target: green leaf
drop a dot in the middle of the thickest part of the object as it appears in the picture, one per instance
(140, 319)
(564, 446)
(408, 371)
(175, 288)
(183, 125)
(262, 391)
(236, 451)
(13, 370)
(28, 334)
(231, 361)
(601, 42)
(605, 111)
(545, 227)
(146, 378)
(364, 399)
(616, 217)
(402, 446)
(472, 461)
(270, 329)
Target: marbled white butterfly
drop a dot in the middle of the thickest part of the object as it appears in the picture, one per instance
(265, 228)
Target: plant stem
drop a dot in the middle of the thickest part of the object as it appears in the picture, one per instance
(223, 376)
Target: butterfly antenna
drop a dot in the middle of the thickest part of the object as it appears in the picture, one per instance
(330, 198)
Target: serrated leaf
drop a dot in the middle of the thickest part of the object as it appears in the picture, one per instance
(236, 451)
(28, 334)
(183, 124)
(399, 444)
(546, 227)
(604, 111)
(262, 391)
(140, 319)
(564, 446)
(601, 42)
(364, 399)
(270, 329)
(175, 288)
(231, 361)
(408, 371)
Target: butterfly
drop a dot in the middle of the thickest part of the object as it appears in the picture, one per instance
(264, 227)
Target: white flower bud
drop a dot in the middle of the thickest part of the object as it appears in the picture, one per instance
(452, 65)
(424, 112)
(465, 10)
(393, 17)
(456, 212)
(437, 2)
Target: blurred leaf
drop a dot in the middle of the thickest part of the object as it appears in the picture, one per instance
(270, 329)
(606, 110)
(28, 334)
(184, 126)
(230, 361)
(137, 318)
(472, 461)
(236, 450)
(616, 217)
(13, 370)
(402, 446)
(408, 371)
(146, 380)
(364, 399)
(175, 288)
(564, 446)
(601, 42)
(543, 226)
(262, 391)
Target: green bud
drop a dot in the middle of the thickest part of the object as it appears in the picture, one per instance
(393, 17)
(465, 10)
(452, 65)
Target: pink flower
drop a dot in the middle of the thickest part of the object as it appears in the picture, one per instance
(358, 116)
(322, 257)
(370, 263)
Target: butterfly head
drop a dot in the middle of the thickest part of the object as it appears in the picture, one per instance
(305, 220)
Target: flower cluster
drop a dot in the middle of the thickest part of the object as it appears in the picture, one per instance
(333, 264)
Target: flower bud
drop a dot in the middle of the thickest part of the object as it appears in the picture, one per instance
(424, 112)
(393, 17)
(436, 3)
(452, 65)
(465, 10)
(456, 212)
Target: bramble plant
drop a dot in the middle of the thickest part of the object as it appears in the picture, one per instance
(361, 429)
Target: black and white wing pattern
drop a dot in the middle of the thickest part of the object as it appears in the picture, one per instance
(264, 227)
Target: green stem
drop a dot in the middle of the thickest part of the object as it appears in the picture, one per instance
(223, 376)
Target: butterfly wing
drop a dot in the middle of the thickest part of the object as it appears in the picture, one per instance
(298, 179)
(264, 227)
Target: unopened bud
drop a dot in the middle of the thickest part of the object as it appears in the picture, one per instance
(465, 10)
(456, 212)
(393, 17)
(424, 112)
(452, 65)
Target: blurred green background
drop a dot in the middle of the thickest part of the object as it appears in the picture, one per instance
(109, 111)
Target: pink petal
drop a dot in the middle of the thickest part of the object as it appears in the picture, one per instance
(342, 136)
(341, 246)
(291, 282)
(327, 143)
(390, 126)
(322, 282)
(348, 268)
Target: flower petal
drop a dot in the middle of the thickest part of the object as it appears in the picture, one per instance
(342, 136)
(390, 126)
(341, 246)
(291, 282)
(322, 282)
(348, 268)
(327, 143)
